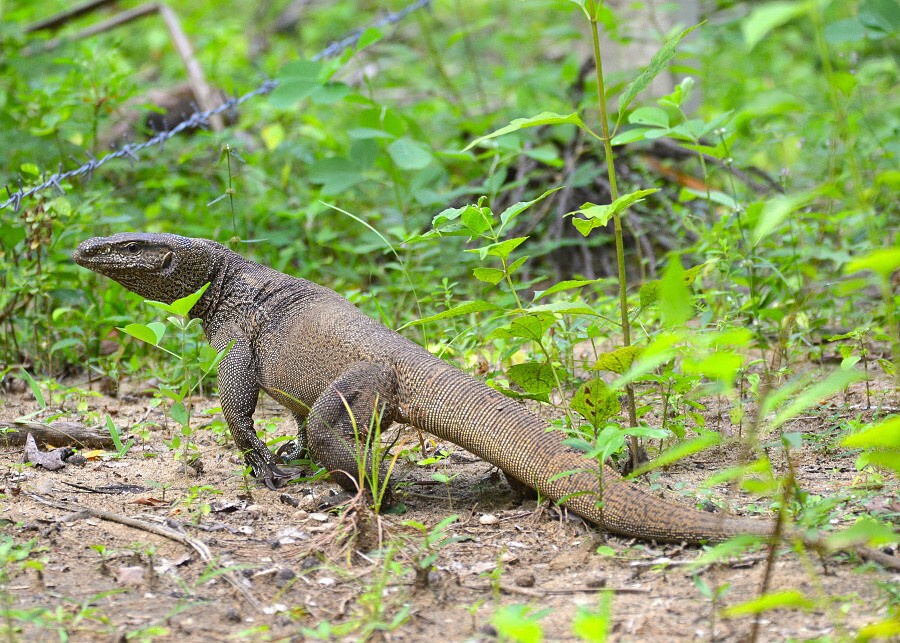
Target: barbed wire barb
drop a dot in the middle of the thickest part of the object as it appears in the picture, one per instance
(197, 119)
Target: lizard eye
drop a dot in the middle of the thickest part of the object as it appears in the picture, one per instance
(132, 247)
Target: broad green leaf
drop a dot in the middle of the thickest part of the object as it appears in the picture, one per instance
(888, 459)
(544, 118)
(771, 15)
(68, 342)
(675, 300)
(761, 465)
(467, 308)
(679, 451)
(776, 210)
(617, 361)
(883, 261)
(630, 136)
(837, 381)
(532, 327)
(790, 599)
(866, 531)
(649, 292)
(649, 116)
(476, 219)
(599, 215)
(564, 308)
(881, 436)
(886, 630)
(179, 306)
(510, 213)
(593, 626)
(880, 15)
(518, 623)
(500, 249)
(489, 275)
(179, 413)
(335, 174)
(296, 81)
(535, 378)
(408, 154)
(568, 284)
(657, 64)
(596, 402)
(144, 332)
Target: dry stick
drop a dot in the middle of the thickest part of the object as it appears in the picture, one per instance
(58, 433)
(101, 27)
(202, 90)
(541, 593)
(198, 545)
(63, 17)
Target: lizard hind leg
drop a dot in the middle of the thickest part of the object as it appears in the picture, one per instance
(345, 420)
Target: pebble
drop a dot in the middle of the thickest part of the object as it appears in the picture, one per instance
(525, 579)
(319, 517)
(489, 519)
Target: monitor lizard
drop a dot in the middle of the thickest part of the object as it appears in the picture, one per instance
(315, 353)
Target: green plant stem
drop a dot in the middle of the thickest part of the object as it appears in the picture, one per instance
(617, 220)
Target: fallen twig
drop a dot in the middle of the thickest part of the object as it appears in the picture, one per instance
(197, 545)
(540, 593)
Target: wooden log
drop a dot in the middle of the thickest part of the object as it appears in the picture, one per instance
(59, 433)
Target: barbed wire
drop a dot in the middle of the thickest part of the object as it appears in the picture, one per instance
(198, 119)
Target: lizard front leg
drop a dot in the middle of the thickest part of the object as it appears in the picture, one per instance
(238, 392)
(364, 397)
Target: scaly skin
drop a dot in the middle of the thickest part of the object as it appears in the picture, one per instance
(316, 354)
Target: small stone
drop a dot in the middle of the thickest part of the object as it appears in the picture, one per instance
(130, 576)
(595, 582)
(509, 558)
(284, 577)
(525, 579)
(232, 615)
(300, 515)
(327, 581)
(489, 519)
(319, 517)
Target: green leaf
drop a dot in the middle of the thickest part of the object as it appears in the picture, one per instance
(630, 136)
(335, 174)
(408, 154)
(866, 531)
(596, 402)
(544, 118)
(880, 15)
(568, 284)
(144, 333)
(675, 299)
(500, 249)
(467, 308)
(178, 307)
(535, 378)
(296, 81)
(598, 216)
(881, 436)
(510, 213)
(489, 275)
(883, 261)
(476, 219)
(517, 623)
(776, 210)
(649, 116)
(837, 381)
(657, 64)
(593, 626)
(35, 388)
(771, 15)
(679, 451)
(649, 292)
(68, 342)
(731, 548)
(617, 361)
(179, 413)
(791, 599)
(532, 327)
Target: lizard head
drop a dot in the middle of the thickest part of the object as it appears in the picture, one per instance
(163, 267)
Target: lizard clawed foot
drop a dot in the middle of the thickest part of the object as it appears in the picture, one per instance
(268, 472)
(292, 450)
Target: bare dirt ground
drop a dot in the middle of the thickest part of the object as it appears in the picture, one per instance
(295, 555)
